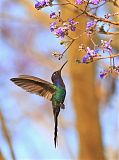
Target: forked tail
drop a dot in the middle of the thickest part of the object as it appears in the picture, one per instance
(56, 113)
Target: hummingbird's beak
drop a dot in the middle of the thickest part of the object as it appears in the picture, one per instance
(63, 66)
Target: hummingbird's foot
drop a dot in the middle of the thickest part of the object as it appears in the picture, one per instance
(62, 106)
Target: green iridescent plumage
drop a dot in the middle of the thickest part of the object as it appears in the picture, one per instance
(59, 96)
(54, 92)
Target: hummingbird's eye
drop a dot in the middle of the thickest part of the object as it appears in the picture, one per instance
(54, 74)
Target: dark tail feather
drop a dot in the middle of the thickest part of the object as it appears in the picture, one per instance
(55, 132)
(56, 113)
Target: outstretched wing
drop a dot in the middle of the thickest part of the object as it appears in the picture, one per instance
(35, 85)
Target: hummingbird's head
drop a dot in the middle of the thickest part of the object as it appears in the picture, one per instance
(57, 75)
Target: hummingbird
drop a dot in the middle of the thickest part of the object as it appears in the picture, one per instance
(55, 92)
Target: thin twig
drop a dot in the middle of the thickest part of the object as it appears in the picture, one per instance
(112, 56)
(109, 33)
(100, 58)
(101, 19)
(68, 47)
(7, 135)
(1, 156)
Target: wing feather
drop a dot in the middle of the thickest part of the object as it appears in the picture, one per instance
(35, 85)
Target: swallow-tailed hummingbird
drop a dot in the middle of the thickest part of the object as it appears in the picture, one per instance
(54, 92)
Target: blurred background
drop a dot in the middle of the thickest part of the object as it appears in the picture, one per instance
(89, 125)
